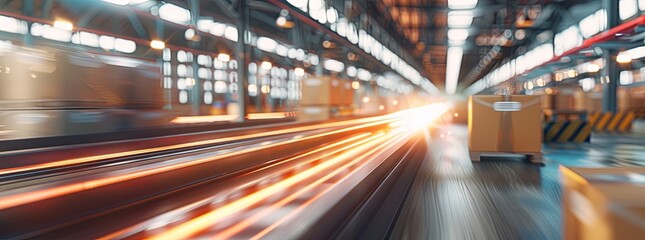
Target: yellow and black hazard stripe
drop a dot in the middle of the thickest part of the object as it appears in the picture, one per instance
(612, 122)
(576, 131)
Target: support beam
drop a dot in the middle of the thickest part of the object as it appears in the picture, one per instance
(241, 54)
(138, 26)
(611, 72)
(28, 10)
(46, 8)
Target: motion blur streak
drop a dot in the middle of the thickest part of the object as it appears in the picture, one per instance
(185, 209)
(228, 233)
(373, 144)
(204, 119)
(200, 223)
(271, 115)
(374, 120)
(29, 197)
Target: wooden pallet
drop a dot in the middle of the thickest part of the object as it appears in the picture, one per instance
(533, 157)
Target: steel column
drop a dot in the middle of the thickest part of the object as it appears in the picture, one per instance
(611, 73)
(242, 58)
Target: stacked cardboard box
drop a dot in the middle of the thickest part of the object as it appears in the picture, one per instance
(505, 124)
(603, 203)
(323, 96)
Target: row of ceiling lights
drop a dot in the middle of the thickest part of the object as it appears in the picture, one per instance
(460, 18)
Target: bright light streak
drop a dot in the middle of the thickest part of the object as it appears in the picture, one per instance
(204, 119)
(453, 66)
(42, 194)
(156, 44)
(460, 19)
(410, 120)
(462, 4)
(368, 121)
(200, 223)
(177, 213)
(174, 13)
(62, 24)
(269, 115)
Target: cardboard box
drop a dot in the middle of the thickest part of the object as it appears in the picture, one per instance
(326, 91)
(603, 203)
(505, 124)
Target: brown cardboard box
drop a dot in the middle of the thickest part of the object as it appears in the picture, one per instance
(326, 91)
(492, 129)
(603, 203)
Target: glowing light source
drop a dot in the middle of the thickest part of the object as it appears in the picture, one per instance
(63, 25)
(351, 71)
(299, 72)
(458, 34)
(356, 85)
(123, 45)
(363, 74)
(334, 65)
(266, 44)
(231, 33)
(453, 66)
(174, 13)
(592, 68)
(460, 19)
(223, 57)
(366, 99)
(156, 44)
(12, 25)
(623, 58)
(266, 65)
(462, 4)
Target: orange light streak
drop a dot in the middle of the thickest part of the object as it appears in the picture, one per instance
(202, 222)
(38, 195)
(377, 120)
(229, 232)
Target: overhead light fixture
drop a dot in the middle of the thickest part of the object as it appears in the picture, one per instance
(458, 34)
(266, 44)
(623, 58)
(462, 4)
(328, 44)
(174, 13)
(118, 2)
(156, 44)
(284, 20)
(453, 66)
(334, 65)
(191, 35)
(460, 19)
(63, 25)
(299, 72)
(223, 57)
(266, 65)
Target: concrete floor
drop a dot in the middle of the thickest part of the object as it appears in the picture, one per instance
(500, 197)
